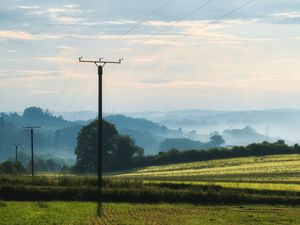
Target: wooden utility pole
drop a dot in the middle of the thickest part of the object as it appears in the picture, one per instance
(16, 146)
(32, 156)
(100, 64)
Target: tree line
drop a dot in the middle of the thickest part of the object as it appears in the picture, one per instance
(121, 153)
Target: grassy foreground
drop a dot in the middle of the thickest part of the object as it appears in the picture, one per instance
(81, 213)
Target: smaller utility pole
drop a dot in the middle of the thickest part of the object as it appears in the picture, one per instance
(16, 146)
(267, 133)
(31, 134)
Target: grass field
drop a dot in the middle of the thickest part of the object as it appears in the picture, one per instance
(81, 213)
(249, 180)
(229, 191)
(278, 172)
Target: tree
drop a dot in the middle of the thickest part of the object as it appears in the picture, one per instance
(215, 141)
(126, 151)
(118, 151)
(33, 112)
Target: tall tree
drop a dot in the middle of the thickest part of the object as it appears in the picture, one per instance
(118, 151)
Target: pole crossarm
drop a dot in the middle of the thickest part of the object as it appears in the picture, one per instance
(16, 145)
(32, 127)
(100, 61)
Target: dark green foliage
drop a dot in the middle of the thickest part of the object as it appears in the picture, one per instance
(120, 190)
(126, 152)
(180, 144)
(118, 151)
(86, 150)
(186, 144)
(12, 168)
(256, 149)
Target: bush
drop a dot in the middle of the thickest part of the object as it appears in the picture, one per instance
(12, 168)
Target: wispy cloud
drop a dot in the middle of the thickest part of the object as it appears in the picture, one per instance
(67, 14)
(55, 59)
(287, 15)
(27, 7)
(291, 17)
(28, 74)
(16, 35)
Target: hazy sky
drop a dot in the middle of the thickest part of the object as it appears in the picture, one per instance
(177, 55)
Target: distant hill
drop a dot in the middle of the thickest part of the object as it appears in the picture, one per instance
(56, 136)
(78, 116)
(139, 124)
(276, 123)
(145, 133)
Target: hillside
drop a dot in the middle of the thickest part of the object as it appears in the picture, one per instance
(56, 137)
(275, 172)
(276, 123)
(145, 133)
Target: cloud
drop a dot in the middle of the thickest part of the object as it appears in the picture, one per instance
(292, 17)
(33, 7)
(28, 74)
(191, 32)
(67, 14)
(55, 59)
(27, 36)
(295, 38)
(287, 15)
(16, 35)
(66, 47)
(66, 20)
(155, 81)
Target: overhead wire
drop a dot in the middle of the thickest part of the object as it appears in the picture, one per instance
(140, 23)
(86, 80)
(63, 90)
(175, 22)
(120, 36)
(172, 24)
(228, 13)
(65, 86)
(155, 11)
(192, 13)
(94, 93)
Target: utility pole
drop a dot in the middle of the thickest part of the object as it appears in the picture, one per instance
(31, 135)
(16, 146)
(100, 64)
(267, 133)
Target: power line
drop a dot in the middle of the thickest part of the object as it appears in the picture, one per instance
(70, 76)
(219, 18)
(87, 79)
(114, 40)
(192, 13)
(177, 21)
(229, 13)
(93, 95)
(65, 86)
(143, 21)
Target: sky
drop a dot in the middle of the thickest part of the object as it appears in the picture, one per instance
(178, 54)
